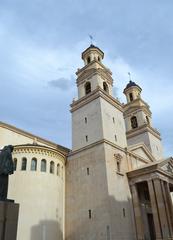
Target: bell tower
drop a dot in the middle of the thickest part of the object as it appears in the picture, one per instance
(96, 202)
(96, 115)
(138, 120)
(94, 74)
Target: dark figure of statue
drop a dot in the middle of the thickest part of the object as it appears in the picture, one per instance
(6, 168)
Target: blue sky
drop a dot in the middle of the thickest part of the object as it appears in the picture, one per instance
(40, 49)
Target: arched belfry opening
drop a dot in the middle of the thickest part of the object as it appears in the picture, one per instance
(105, 87)
(88, 60)
(131, 97)
(87, 88)
(147, 119)
(134, 122)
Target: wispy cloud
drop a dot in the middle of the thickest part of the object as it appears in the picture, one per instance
(62, 83)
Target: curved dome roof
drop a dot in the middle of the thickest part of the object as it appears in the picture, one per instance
(132, 84)
(92, 46)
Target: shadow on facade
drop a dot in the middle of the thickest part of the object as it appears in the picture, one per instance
(46, 230)
(110, 223)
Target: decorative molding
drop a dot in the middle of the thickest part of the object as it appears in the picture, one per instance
(94, 95)
(142, 129)
(38, 150)
(89, 73)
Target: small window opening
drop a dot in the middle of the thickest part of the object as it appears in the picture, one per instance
(88, 171)
(86, 137)
(87, 88)
(34, 164)
(131, 96)
(115, 137)
(134, 122)
(108, 233)
(113, 119)
(24, 164)
(124, 212)
(89, 213)
(85, 119)
(88, 60)
(98, 58)
(15, 164)
(105, 87)
(118, 166)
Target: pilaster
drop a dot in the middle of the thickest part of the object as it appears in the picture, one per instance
(161, 209)
(137, 213)
(154, 206)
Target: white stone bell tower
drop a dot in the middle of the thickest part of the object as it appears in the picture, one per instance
(138, 121)
(96, 203)
(96, 115)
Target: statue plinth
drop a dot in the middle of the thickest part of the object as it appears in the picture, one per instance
(8, 220)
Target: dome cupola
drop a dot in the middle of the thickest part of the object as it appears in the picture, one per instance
(132, 91)
(92, 53)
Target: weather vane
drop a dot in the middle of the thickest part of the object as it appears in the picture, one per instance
(130, 79)
(91, 39)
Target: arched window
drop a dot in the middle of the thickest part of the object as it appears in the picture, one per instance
(147, 119)
(52, 167)
(34, 164)
(87, 88)
(88, 60)
(15, 164)
(43, 165)
(105, 87)
(98, 58)
(131, 96)
(24, 164)
(134, 122)
(58, 169)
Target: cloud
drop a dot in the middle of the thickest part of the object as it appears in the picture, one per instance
(61, 83)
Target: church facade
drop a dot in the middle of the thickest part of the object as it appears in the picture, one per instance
(114, 184)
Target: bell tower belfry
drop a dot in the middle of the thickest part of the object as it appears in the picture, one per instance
(96, 115)
(138, 121)
(94, 74)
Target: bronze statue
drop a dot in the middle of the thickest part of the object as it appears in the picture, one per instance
(6, 168)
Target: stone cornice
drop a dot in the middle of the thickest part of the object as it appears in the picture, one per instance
(95, 144)
(148, 173)
(94, 95)
(79, 71)
(144, 128)
(60, 148)
(104, 141)
(89, 73)
(43, 151)
(136, 104)
(133, 110)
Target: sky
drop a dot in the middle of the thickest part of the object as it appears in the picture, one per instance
(40, 50)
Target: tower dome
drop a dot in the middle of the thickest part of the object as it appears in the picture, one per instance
(132, 91)
(131, 84)
(92, 53)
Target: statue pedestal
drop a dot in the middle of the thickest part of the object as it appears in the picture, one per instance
(8, 220)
